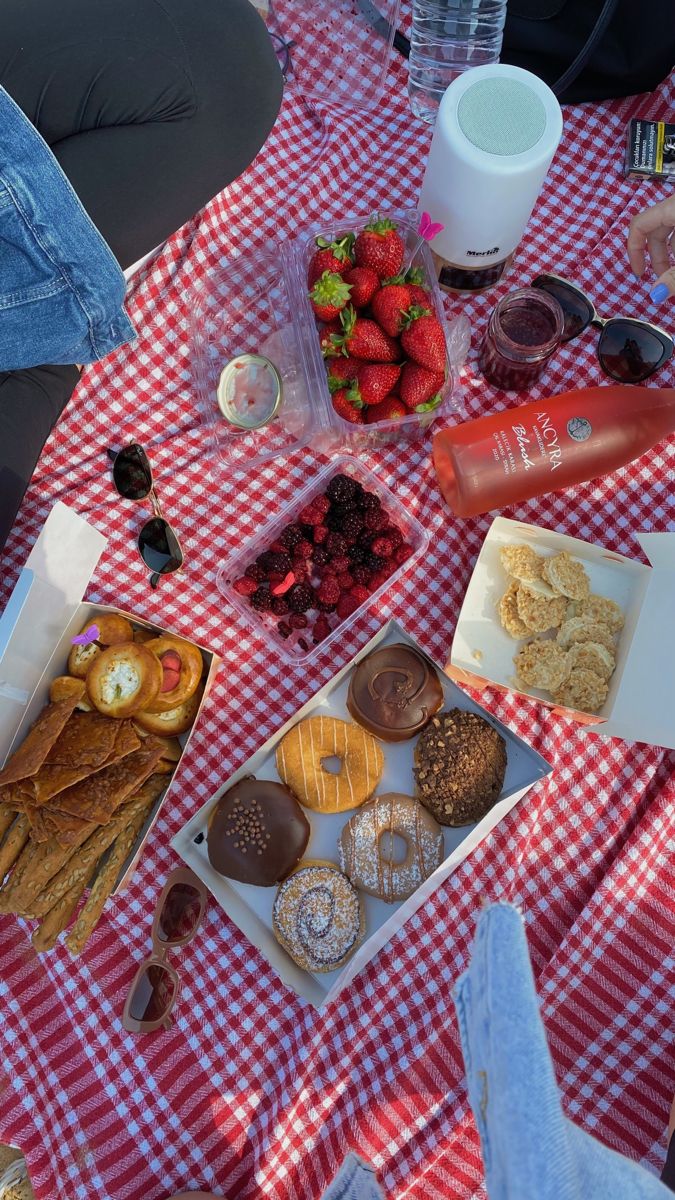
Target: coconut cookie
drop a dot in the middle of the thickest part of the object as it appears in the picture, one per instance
(603, 610)
(542, 665)
(566, 576)
(591, 656)
(582, 629)
(583, 690)
(540, 613)
(522, 562)
(508, 613)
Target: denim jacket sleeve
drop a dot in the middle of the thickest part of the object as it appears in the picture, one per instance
(61, 288)
(531, 1151)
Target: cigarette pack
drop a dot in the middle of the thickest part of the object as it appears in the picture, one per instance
(650, 149)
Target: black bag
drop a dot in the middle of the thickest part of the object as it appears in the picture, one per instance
(592, 49)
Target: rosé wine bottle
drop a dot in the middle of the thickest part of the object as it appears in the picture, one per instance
(522, 452)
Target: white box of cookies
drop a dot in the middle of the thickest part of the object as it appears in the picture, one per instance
(354, 812)
(577, 627)
(96, 708)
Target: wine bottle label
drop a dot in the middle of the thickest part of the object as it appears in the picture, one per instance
(579, 428)
(535, 444)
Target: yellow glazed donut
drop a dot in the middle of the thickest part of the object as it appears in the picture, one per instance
(367, 850)
(300, 757)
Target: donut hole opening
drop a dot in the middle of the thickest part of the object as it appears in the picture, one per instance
(332, 764)
(393, 848)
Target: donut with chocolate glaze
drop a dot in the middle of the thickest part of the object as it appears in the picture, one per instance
(394, 692)
(257, 832)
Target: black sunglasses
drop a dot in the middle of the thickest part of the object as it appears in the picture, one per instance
(158, 545)
(628, 350)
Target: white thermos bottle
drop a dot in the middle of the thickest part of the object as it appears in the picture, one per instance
(497, 130)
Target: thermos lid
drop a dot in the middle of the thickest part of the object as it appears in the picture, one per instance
(501, 116)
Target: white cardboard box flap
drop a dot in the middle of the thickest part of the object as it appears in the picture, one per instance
(47, 593)
(644, 710)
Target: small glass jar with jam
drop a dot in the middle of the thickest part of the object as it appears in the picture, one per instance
(524, 330)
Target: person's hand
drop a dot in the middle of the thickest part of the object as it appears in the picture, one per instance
(653, 228)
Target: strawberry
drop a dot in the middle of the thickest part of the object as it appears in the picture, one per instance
(420, 389)
(423, 339)
(389, 305)
(330, 256)
(414, 279)
(329, 296)
(363, 338)
(345, 408)
(374, 381)
(390, 409)
(364, 282)
(341, 371)
(330, 330)
(379, 247)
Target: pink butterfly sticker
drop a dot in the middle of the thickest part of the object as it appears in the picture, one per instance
(91, 634)
(428, 228)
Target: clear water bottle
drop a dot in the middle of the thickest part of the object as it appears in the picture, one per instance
(448, 37)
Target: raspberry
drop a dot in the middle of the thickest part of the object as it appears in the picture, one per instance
(321, 556)
(375, 519)
(290, 536)
(255, 571)
(360, 594)
(320, 533)
(346, 606)
(278, 564)
(324, 607)
(284, 629)
(300, 598)
(321, 504)
(403, 553)
(379, 578)
(310, 516)
(373, 561)
(361, 575)
(304, 549)
(370, 502)
(383, 547)
(245, 586)
(321, 629)
(345, 581)
(393, 535)
(280, 606)
(298, 621)
(342, 489)
(340, 564)
(329, 591)
(261, 600)
(300, 570)
(335, 543)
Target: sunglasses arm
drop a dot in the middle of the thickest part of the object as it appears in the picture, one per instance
(152, 496)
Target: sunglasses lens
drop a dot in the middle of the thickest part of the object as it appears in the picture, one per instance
(132, 475)
(631, 352)
(158, 546)
(153, 994)
(577, 310)
(180, 913)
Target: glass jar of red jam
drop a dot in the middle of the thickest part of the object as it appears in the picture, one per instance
(524, 330)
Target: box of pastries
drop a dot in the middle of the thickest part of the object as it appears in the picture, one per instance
(96, 708)
(577, 627)
(352, 814)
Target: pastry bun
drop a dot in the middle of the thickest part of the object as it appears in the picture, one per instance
(122, 679)
(185, 675)
(112, 631)
(177, 720)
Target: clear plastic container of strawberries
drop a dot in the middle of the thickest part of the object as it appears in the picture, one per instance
(350, 317)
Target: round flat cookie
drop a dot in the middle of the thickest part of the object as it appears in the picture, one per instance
(539, 613)
(508, 613)
(542, 665)
(603, 610)
(591, 656)
(582, 690)
(566, 576)
(522, 562)
(581, 629)
(459, 767)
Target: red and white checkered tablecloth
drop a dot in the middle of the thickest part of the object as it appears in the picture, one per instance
(252, 1092)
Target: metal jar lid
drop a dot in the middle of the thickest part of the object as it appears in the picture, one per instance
(249, 391)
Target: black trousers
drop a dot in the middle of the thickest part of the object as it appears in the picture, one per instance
(151, 107)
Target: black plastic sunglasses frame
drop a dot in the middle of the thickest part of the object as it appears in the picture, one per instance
(604, 323)
(174, 564)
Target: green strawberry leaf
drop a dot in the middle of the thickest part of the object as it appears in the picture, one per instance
(430, 404)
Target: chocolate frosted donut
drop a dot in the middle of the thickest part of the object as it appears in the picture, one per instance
(394, 692)
(257, 832)
(317, 917)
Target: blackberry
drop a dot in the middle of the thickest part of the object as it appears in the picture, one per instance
(373, 561)
(352, 525)
(361, 575)
(336, 544)
(370, 502)
(277, 564)
(256, 572)
(393, 535)
(300, 598)
(341, 489)
(357, 555)
(280, 606)
(298, 621)
(261, 600)
(290, 536)
(321, 556)
(375, 519)
(337, 515)
(324, 607)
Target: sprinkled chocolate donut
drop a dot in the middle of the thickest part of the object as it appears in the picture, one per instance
(257, 832)
(366, 846)
(317, 917)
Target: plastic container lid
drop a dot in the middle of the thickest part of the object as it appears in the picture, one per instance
(339, 50)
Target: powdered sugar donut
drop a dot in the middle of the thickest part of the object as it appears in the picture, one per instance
(318, 917)
(366, 846)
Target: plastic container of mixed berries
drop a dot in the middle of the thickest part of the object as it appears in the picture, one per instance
(322, 559)
(269, 360)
